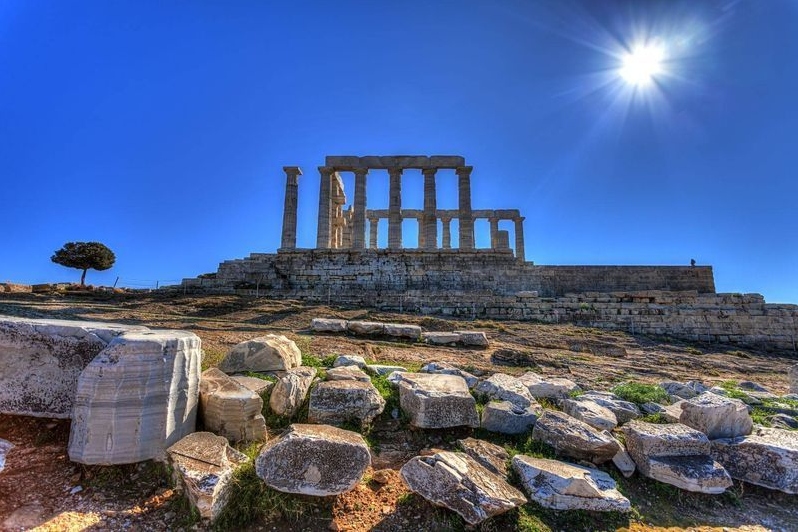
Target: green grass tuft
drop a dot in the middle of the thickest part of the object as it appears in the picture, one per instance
(639, 393)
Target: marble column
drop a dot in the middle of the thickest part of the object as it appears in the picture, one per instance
(359, 215)
(520, 253)
(395, 209)
(494, 232)
(430, 218)
(292, 174)
(373, 226)
(447, 232)
(325, 203)
(465, 217)
(421, 235)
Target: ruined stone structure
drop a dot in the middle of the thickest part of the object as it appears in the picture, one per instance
(348, 268)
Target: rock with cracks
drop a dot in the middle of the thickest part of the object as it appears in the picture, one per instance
(624, 411)
(675, 454)
(501, 387)
(448, 369)
(347, 373)
(327, 325)
(290, 390)
(548, 387)
(587, 410)
(490, 455)
(717, 416)
(507, 418)
(434, 401)
(315, 460)
(229, 408)
(203, 465)
(458, 482)
(344, 401)
(574, 438)
(562, 486)
(766, 457)
(272, 352)
(136, 398)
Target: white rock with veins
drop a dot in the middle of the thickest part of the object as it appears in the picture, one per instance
(548, 387)
(501, 387)
(327, 325)
(229, 408)
(717, 416)
(589, 411)
(315, 460)
(458, 482)
(436, 401)
(272, 352)
(290, 390)
(563, 486)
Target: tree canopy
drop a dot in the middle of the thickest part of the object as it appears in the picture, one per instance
(84, 256)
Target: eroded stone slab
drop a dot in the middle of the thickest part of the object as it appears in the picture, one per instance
(347, 373)
(506, 418)
(562, 486)
(403, 330)
(344, 401)
(587, 410)
(548, 387)
(290, 390)
(473, 338)
(365, 327)
(458, 482)
(327, 325)
(574, 438)
(272, 352)
(490, 455)
(136, 398)
(229, 408)
(440, 338)
(437, 401)
(624, 411)
(717, 416)
(315, 460)
(449, 369)
(501, 387)
(692, 473)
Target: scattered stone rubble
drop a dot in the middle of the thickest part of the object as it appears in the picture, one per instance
(399, 330)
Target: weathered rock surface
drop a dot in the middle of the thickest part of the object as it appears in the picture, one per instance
(686, 390)
(623, 461)
(448, 369)
(437, 401)
(589, 411)
(562, 486)
(204, 464)
(136, 398)
(365, 327)
(41, 360)
(624, 411)
(259, 386)
(574, 438)
(501, 387)
(327, 325)
(347, 373)
(717, 416)
(675, 454)
(403, 330)
(382, 369)
(349, 360)
(229, 408)
(458, 482)
(766, 457)
(548, 387)
(490, 455)
(313, 460)
(272, 352)
(792, 378)
(440, 338)
(290, 390)
(344, 401)
(5, 446)
(473, 338)
(507, 418)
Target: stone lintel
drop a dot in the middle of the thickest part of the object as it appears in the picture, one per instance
(350, 163)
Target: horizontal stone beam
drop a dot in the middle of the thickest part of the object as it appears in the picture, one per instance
(352, 162)
(502, 214)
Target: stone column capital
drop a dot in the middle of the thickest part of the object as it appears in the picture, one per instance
(464, 170)
(292, 170)
(429, 172)
(360, 171)
(395, 171)
(519, 219)
(326, 170)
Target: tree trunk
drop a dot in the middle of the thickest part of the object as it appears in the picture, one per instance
(83, 277)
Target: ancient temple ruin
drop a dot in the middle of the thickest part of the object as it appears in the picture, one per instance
(340, 228)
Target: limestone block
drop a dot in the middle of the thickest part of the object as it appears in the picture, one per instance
(589, 411)
(548, 387)
(272, 352)
(5, 446)
(382, 369)
(767, 457)
(623, 461)
(674, 439)
(290, 390)
(350, 360)
(327, 325)
(41, 360)
(501, 387)
(440, 338)
(679, 389)
(446, 161)
(136, 398)
(624, 411)
(692, 473)
(365, 327)
(204, 464)
(475, 338)
(259, 386)
(571, 437)
(229, 408)
(315, 460)
(437, 401)
(344, 401)
(458, 482)
(347, 373)
(717, 416)
(562, 486)
(508, 418)
(448, 369)
(489, 455)
(401, 330)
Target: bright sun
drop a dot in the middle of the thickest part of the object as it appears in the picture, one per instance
(642, 64)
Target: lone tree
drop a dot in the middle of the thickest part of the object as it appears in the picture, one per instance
(84, 256)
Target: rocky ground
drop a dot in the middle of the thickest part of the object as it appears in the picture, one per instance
(40, 487)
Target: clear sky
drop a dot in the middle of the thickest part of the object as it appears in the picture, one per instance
(161, 128)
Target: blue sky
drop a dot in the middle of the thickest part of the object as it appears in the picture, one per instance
(161, 128)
